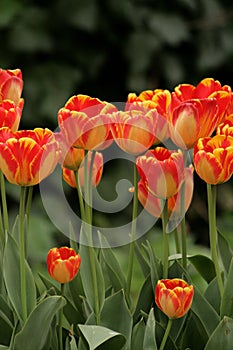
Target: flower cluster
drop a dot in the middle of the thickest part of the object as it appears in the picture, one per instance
(198, 122)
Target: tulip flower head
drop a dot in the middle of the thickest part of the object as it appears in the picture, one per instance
(213, 159)
(11, 85)
(28, 156)
(162, 171)
(63, 264)
(85, 122)
(10, 115)
(174, 297)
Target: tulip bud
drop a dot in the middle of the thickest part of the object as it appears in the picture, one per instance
(174, 297)
(63, 264)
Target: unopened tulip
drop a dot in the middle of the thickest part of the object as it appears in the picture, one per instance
(63, 264)
(11, 85)
(174, 297)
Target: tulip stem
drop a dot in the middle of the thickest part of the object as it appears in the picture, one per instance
(211, 197)
(182, 211)
(88, 225)
(133, 232)
(22, 252)
(165, 239)
(166, 334)
(4, 202)
(60, 321)
(177, 241)
(80, 196)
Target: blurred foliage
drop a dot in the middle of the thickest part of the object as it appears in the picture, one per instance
(108, 48)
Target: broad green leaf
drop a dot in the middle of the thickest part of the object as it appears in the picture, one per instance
(6, 322)
(11, 271)
(226, 308)
(204, 266)
(115, 273)
(225, 251)
(76, 292)
(205, 312)
(149, 341)
(36, 329)
(116, 315)
(145, 299)
(98, 335)
(222, 337)
(194, 335)
(91, 272)
(155, 264)
(159, 333)
(143, 261)
(212, 295)
(138, 335)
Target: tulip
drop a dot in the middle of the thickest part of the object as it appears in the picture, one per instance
(85, 122)
(134, 130)
(28, 156)
(10, 115)
(213, 159)
(154, 99)
(153, 204)
(63, 264)
(226, 128)
(207, 88)
(11, 85)
(162, 171)
(174, 297)
(69, 175)
(191, 120)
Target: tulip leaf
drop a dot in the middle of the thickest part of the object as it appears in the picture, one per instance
(91, 272)
(145, 299)
(194, 335)
(98, 335)
(204, 266)
(226, 308)
(138, 335)
(212, 294)
(11, 271)
(222, 337)
(205, 312)
(36, 329)
(6, 322)
(149, 342)
(143, 261)
(122, 321)
(225, 251)
(115, 273)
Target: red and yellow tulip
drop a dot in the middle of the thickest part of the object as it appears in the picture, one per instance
(10, 115)
(153, 204)
(134, 130)
(63, 264)
(97, 170)
(226, 128)
(174, 297)
(28, 156)
(11, 85)
(85, 123)
(162, 171)
(213, 159)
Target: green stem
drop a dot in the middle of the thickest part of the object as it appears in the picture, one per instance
(133, 232)
(165, 239)
(22, 252)
(60, 321)
(211, 196)
(182, 212)
(177, 241)
(80, 196)
(29, 203)
(166, 334)
(87, 225)
(4, 203)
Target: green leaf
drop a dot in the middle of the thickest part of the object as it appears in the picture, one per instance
(149, 342)
(11, 271)
(225, 251)
(145, 299)
(116, 315)
(6, 322)
(36, 329)
(143, 261)
(205, 312)
(212, 295)
(193, 335)
(138, 335)
(204, 266)
(155, 264)
(222, 337)
(115, 273)
(98, 335)
(226, 308)
(86, 269)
